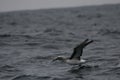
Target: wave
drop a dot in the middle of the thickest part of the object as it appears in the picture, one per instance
(8, 68)
(31, 77)
(109, 31)
(12, 35)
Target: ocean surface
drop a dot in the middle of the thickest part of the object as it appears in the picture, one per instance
(29, 40)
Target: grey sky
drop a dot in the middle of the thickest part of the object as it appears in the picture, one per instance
(10, 5)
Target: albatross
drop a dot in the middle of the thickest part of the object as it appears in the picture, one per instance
(75, 58)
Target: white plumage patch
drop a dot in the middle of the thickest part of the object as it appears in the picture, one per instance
(75, 62)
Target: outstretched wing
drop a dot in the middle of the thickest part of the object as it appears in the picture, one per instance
(78, 50)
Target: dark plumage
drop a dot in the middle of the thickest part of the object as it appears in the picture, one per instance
(78, 50)
(75, 58)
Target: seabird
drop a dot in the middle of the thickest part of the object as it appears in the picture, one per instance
(75, 58)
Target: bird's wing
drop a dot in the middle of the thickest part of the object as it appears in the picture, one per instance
(78, 50)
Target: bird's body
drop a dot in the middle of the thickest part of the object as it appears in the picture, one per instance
(75, 62)
(70, 61)
(75, 58)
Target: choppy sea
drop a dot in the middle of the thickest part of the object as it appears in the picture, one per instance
(29, 40)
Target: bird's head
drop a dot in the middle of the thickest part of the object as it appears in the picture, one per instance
(60, 58)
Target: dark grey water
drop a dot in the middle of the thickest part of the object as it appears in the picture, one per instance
(29, 40)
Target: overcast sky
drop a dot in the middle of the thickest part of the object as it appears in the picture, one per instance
(11, 5)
